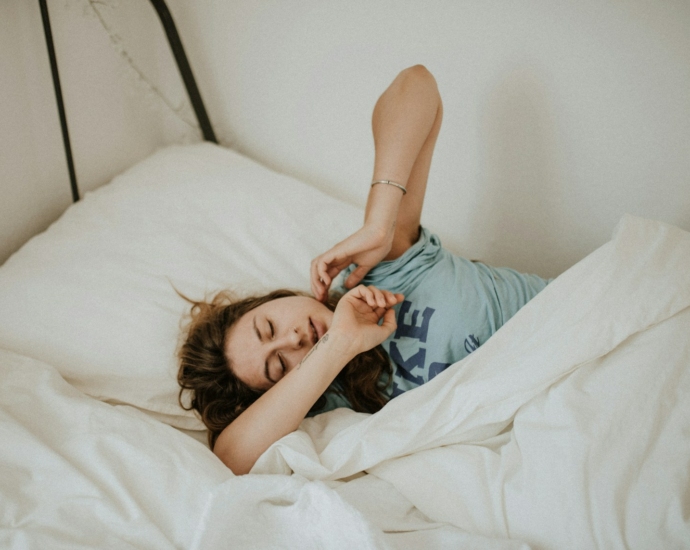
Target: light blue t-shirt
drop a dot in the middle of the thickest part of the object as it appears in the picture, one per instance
(451, 307)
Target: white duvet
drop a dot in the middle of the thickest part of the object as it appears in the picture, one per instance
(570, 428)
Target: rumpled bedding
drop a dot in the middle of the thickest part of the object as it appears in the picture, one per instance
(570, 428)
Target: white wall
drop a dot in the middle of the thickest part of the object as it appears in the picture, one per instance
(34, 187)
(113, 119)
(559, 115)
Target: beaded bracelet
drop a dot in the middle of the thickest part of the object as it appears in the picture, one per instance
(389, 182)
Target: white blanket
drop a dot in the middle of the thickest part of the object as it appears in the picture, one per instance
(570, 428)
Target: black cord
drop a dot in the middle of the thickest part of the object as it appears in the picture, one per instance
(185, 69)
(58, 97)
(182, 64)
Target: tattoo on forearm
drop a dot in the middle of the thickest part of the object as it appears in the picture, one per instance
(324, 339)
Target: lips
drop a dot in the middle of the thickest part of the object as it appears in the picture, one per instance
(315, 334)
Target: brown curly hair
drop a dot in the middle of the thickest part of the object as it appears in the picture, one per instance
(219, 396)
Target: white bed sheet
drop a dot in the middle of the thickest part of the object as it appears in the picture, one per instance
(570, 428)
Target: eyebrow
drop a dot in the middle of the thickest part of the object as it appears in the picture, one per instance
(258, 335)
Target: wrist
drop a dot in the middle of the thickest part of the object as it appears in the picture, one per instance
(341, 344)
(379, 232)
(382, 209)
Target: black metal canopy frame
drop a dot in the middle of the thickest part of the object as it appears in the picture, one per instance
(182, 64)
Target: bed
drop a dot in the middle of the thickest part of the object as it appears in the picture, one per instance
(570, 428)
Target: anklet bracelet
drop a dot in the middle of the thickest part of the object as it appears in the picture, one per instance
(389, 182)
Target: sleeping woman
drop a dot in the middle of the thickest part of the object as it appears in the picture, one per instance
(407, 309)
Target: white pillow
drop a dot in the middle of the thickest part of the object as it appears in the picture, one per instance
(93, 295)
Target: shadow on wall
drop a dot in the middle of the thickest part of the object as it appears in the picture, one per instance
(520, 202)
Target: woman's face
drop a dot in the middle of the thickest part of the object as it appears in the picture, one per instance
(269, 341)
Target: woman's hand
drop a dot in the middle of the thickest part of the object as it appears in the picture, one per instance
(358, 314)
(366, 248)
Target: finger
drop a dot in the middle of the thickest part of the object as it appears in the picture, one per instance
(357, 292)
(321, 280)
(331, 259)
(389, 323)
(369, 296)
(381, 300)
(365, 294)
(390, 298)
(324, 279)
(317, 286)
(322, 270)
(380, 312)
(333, 271)
(377, 299)
(356, 276)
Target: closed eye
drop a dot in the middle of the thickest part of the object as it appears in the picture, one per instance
(270, 326)
(260, 337)
(282, 367)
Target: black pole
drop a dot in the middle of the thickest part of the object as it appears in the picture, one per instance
(185, 69)
(58, 97)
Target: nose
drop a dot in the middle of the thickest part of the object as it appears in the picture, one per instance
(291, 340)
(291, 346)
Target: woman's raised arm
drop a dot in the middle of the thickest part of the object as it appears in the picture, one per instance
(405, 122)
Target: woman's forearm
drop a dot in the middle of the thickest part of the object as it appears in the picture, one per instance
(402, 119)
(282, 408)
(405, 123)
